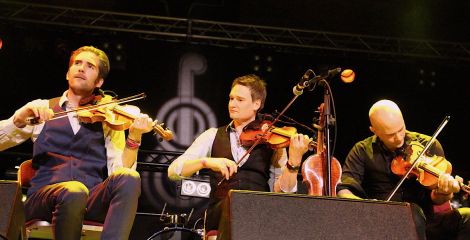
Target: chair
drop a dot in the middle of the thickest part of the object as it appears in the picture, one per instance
(39, 228)
(212, 235)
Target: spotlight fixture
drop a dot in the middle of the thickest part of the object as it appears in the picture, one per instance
(195, 187)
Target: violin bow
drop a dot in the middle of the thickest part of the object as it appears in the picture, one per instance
(307, 81)
(415, 163)
(32, 120)
(265, 131)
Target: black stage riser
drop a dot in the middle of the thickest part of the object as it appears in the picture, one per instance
(268, 216)
(11, 211)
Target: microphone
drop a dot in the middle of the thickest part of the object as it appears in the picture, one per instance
(306, 82)
(303, 83)
(348, 76)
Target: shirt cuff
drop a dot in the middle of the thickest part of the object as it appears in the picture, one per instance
(292, 190)
(9, 127)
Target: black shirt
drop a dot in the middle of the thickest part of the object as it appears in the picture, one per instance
(367, 172)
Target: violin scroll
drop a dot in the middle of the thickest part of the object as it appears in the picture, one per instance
(165, 133)
(127, 114)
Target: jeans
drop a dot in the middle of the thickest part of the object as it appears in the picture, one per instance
(66, 204)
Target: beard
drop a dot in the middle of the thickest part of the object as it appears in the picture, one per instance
(82, 87)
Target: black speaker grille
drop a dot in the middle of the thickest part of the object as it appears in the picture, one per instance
(256, 215)
(11, 210)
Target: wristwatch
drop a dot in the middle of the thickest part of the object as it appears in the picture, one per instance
(292, 168)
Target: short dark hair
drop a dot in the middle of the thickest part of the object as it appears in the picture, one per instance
(256, 85)
(104, 66)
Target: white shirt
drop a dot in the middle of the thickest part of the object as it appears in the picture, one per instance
(202, 147)
(10, 135)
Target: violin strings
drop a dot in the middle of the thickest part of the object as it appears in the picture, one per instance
(63, 114)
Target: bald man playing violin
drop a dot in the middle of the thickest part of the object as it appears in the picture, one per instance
(83, 171)
(219, 150)
(367, 174)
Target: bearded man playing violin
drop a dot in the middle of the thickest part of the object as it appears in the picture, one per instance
(367, 174)
(83, 171)
(220, 151)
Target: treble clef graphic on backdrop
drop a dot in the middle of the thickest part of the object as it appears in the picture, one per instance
(186, 114)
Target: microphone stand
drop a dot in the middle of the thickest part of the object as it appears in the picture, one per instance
(307, 83)
(326, 129)
(321, 80)
(296, 95)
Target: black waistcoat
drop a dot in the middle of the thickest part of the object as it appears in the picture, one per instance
(253, 175)
(60, 155)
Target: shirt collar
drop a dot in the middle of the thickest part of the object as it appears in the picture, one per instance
(376, 140)
(230, 127)
(63, 99)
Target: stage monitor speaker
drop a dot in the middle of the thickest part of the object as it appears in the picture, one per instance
(11, 211)
(271, 216)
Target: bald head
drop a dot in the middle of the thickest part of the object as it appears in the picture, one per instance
(387, 123)
(385, 113)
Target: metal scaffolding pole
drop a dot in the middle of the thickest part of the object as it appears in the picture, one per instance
(231, 34)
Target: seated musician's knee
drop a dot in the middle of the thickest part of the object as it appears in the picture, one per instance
(73, 193)
(126, 173)
(127, 179)
(465, 214)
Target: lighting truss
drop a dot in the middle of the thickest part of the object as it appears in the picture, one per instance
(231, 34)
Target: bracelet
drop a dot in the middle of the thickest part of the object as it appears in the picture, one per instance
(204, 163)
(132, 144)
(292, 168)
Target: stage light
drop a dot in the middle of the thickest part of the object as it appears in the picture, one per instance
(262, 64)
(188, 188)
(117, 54)
(195, 187)
(203, 189)
(427, 78)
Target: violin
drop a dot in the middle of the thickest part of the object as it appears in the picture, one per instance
(314, 167)
(275, 137)
(106, 109)
(119, 117)
(427, 170)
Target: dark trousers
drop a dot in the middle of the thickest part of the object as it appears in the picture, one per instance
(454, 224)
(66, 204)
(419, 221)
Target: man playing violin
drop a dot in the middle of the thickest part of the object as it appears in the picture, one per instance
(367, 174)
(83, 171)
(219, 150)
